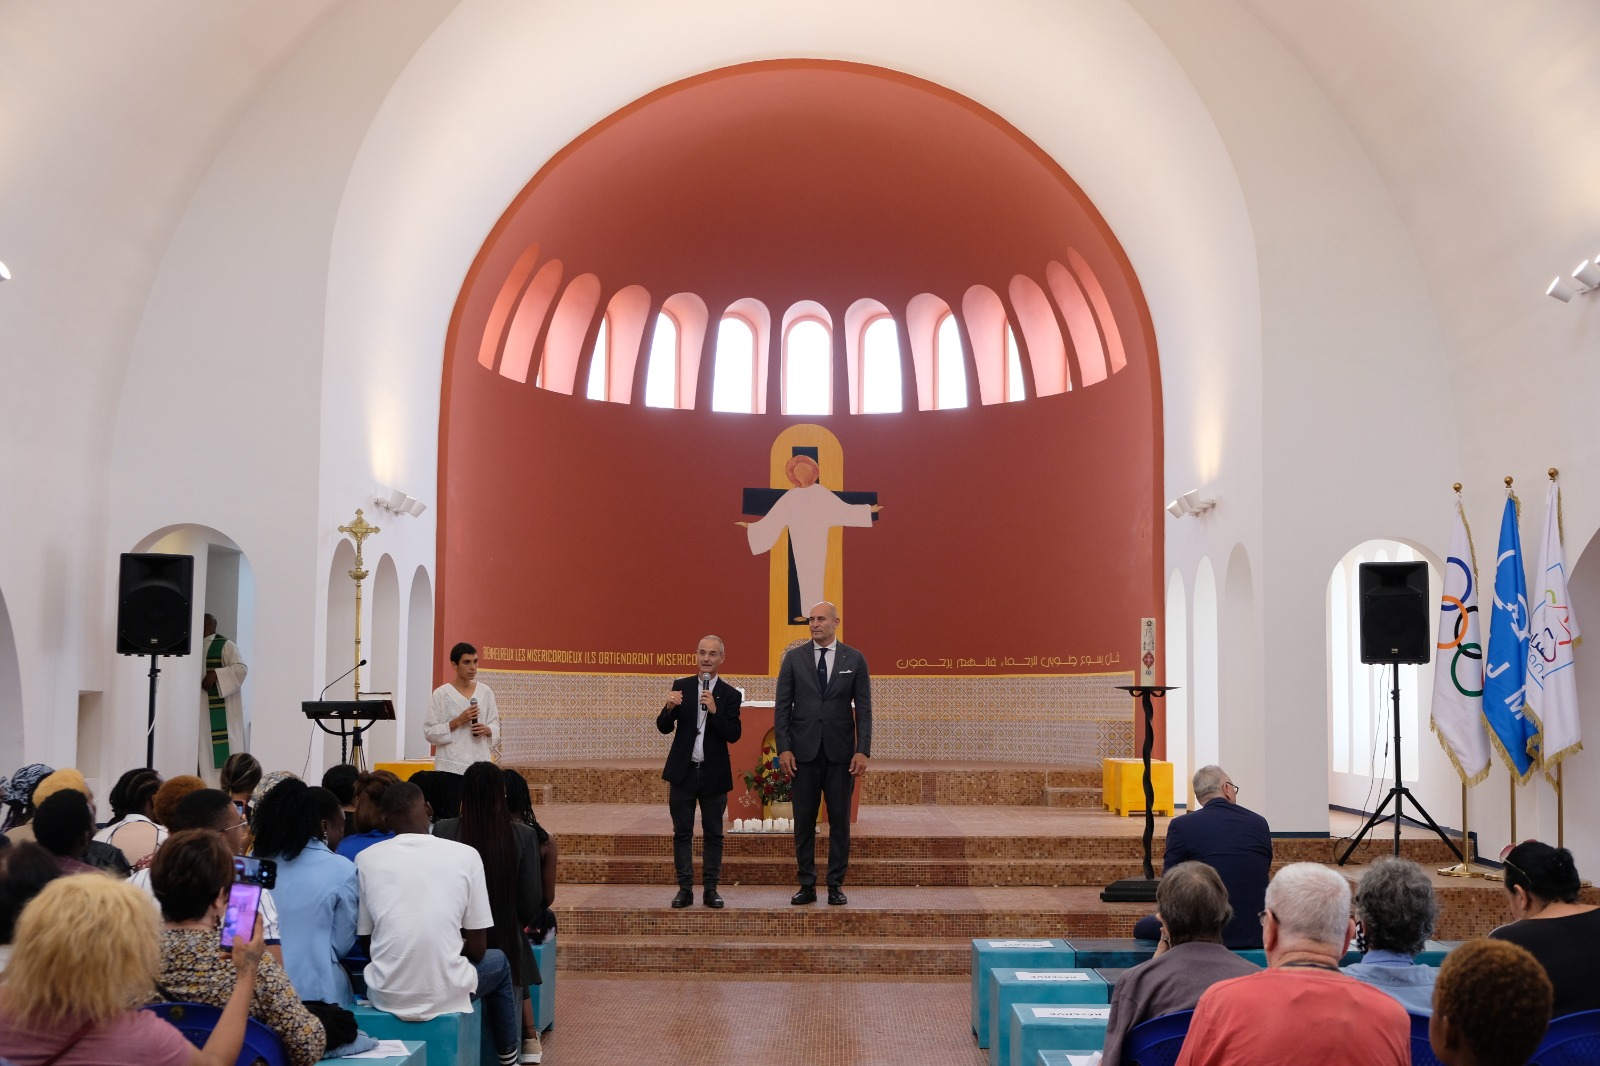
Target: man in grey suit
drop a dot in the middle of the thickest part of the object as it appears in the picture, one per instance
(822, 744)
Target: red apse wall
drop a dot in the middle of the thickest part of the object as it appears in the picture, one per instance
(1018, 529)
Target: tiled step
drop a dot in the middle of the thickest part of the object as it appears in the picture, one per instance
(863, 871)
(1075, 798)
(955, 784)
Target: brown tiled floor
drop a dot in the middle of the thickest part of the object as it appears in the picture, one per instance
(607, 1019)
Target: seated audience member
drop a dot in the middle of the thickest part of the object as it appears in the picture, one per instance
(1231, 840)
(1564, 935)
(369, 823)
(1491, 1005)
(510, 854)
(442, 790)
(170, 794)
(133, 829)
(63, 825)
(425, 905)
(520, 802)
(1301, 1008)
(341, 781)
(1192, 906)
(317, 892)
(18, 798)
(213, 809)
(240, 775)
(24, 871)
(85, 957)
(1396, 910)
(192, 874)
(99, 855)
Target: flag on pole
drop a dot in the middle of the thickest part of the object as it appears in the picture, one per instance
(1513, 733)
(1552, 636)
(1458, 668)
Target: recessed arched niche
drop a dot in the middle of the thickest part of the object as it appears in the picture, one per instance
(821, 218)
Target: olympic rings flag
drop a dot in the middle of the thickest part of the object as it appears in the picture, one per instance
(1458, 668)
(1552, 635)
(1505, 673)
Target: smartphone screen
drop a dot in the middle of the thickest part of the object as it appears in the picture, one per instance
(250, 870)
(239, 922)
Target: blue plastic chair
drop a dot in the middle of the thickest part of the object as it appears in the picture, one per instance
(1421, 1050)
(1571, 1040)
(196, 1020)
(1157, 1041)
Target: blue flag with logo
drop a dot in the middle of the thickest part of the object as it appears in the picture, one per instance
(1506, 661)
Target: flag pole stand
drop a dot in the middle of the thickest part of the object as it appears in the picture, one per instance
(1561, 810)
(1513, 784)
(1465, 868)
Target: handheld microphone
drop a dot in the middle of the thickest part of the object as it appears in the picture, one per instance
(705, 681)
(340, 678)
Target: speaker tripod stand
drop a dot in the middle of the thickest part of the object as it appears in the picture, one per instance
(1399, 794)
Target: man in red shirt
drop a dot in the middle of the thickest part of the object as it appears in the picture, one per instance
(1301, 1008)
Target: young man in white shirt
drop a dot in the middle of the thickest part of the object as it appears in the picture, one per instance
(463, 724)
(425, 905)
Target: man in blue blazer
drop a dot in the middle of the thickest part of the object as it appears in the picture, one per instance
(823, 725)
(702, 713)
(1235, 842)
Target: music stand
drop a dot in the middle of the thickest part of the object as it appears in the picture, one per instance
(349, 714)
(1142, 889)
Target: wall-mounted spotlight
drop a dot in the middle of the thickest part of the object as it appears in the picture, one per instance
(5, 272)
(399, 503)
(1585, 278)
(1190, 503)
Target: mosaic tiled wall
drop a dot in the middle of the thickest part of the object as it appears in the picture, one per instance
(1074, 719)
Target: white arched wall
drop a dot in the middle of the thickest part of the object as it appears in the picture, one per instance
(11, 722)
(384, 655)
(1180, 752)
(1205, 736)
(419, 666)
(340, 631)
(1244, 727)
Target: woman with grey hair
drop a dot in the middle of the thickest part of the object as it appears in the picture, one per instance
(1397, 910)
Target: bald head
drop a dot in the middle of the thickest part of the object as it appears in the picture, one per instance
(824, 622)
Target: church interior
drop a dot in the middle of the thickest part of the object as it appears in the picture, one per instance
(562, 295)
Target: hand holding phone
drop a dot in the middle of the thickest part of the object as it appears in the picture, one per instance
(239, 920)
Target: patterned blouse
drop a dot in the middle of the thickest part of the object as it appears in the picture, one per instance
(194, 970)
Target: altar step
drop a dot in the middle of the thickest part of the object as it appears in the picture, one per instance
(887, 782)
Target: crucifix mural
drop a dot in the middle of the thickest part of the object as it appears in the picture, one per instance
(803, 512)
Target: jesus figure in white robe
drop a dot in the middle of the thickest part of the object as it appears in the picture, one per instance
(808, 511)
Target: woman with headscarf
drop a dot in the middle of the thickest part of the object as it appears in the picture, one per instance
(19, 801)
(510, 852)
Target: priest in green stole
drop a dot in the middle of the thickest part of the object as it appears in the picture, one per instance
(222, 713)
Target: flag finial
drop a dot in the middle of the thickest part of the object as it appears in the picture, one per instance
(1553, 472)
(1508, 481)
(1457, 487)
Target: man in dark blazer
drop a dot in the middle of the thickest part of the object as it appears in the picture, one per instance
(822, 744)
(1235, 842)
(702, 713)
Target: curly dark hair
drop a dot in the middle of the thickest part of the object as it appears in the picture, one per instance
(290, 817)
(486, 826)
(370, 787)
(1546, 873)
(1396, 905)
(1497, 997)
(341, 781)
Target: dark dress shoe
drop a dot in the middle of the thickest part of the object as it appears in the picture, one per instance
(682, 899)
(713, 899)
(805, 895)
(836, 896)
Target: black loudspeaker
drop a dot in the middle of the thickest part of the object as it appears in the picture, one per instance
(1394, 612)
(153, 604)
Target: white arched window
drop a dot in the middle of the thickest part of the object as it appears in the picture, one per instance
(950, 369)
(733, 382)
(807, 369)
(661, 373)
(1014, 387)
(880, 367)
(598, 363)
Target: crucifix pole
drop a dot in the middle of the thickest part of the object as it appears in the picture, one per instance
(359, 531)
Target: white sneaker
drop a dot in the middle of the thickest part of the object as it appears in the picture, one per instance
(532, 1049)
